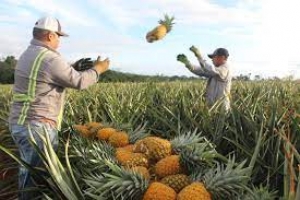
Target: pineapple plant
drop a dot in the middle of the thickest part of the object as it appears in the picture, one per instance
(159, 191)
(160, 31)
(177, 182)
(168, 166)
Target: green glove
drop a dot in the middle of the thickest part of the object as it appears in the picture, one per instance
(83, 64)
(182, 58)
(196, 51)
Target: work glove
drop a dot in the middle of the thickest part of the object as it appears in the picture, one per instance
(83, 64)
(196, 51)
(182, 58)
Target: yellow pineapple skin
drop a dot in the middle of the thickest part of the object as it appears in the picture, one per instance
(137, 159)
(177, 182)
(157, 33)
(154, 148)
(119, 139)
(128, 148)
(168, 166)
(83, 131)
(122, 156)
(105, 133)
(142, 171)
(159, 191)
(195, 191)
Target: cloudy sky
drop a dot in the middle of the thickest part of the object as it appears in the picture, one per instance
(262, 36)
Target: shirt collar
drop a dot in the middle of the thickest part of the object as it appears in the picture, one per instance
(36, 42)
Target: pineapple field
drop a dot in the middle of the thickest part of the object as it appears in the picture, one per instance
(159, 141)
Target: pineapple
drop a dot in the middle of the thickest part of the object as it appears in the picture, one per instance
(217, 183)
(128, 148)
(83, 131)
(177, 182)
(119, 139)
(122, 155)
(142, 171)
(159, 191)
(105, 133)
(154, 148)
(94, 127)
(168, 166)
(137, 159)
(160, 31)
(195, 191)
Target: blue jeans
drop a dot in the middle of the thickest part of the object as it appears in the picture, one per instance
(27, 152)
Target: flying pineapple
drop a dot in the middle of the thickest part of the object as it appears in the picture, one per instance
(160, 31)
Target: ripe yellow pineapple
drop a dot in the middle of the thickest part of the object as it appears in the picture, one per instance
(137, 159)
(94, 126)
(119, 139)
(83, 131)
(177, 182)
(159, 191)
(154, 148)
(122, 155)
(142, 171)
(105, 133)
(160, 31)
(128, 148)
(168, 166)
(195, 191)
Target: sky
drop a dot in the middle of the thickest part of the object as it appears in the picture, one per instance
(262, 36)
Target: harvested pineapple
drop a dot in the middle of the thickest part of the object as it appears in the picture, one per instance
(177, 182)
(142, 171)
(119, 139)
(159, 191)
(122, 155)
(94, 126)
(168, 166)
(105, 133)
(137, 159)
(160, 31)
(154, 148)
(195, 191)
(83, 131)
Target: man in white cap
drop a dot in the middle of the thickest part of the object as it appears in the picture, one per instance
(219, 75)
(41, 76)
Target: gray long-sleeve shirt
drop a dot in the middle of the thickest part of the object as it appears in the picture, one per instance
(218, 84)
(41, 76)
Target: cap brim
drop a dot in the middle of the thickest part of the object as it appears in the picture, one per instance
(62, 34)
(210, 55)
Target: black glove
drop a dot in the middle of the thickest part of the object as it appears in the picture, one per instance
(83, 64)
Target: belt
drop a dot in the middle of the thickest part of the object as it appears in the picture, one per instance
(48, 121)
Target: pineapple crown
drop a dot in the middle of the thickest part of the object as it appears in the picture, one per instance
(167, 22)
(226, 181)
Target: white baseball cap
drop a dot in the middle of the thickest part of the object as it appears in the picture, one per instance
(50, 24)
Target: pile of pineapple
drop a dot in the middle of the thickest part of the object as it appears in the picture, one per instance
(186, 167)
